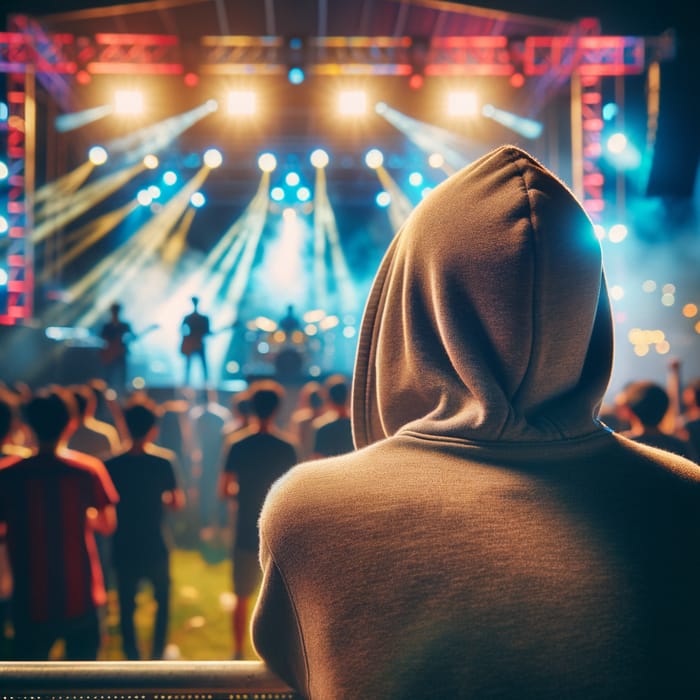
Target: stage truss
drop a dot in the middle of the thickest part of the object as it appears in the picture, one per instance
(29, 55)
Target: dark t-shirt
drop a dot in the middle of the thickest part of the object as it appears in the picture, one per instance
(258, 460)
(334, 438)
(141, 480)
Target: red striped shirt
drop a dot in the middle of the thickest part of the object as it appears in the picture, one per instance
(53, 554)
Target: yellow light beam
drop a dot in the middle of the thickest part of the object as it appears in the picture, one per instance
(85, 199)
(86, 236)
(319, 268)
(153, 233)
(400, 206)
(66, 184)
(175, 245)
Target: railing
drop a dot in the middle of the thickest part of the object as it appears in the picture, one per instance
(142, 680)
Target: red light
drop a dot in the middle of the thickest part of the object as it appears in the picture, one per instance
(191, 79)
(517, 80)
(415, 82)
(83, 77)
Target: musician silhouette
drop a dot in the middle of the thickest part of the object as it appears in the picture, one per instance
(115, 334)
(290, 323)
(195, 328)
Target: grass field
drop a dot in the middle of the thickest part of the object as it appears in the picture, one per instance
(200, 611)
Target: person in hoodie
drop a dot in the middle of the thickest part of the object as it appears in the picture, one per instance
(489, 538)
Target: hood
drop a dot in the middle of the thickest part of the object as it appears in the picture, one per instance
(488, 319)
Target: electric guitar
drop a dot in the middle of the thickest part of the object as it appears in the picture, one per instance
(194, 342)
(116, 348)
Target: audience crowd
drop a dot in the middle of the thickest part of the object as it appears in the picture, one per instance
(87, 477)
(96, 490)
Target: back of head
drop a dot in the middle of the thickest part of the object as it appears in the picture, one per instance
(49, 413)
(140, 418)
(265, 398)
(338, 389)
(648, 401)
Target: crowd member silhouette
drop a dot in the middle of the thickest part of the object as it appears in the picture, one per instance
(195, 329)
(691, 418)
(116, 334)
(241, 411)
(256, 458)
(51, 504)
(332, 430)
(8, 423)
(645, 403)
(146, 483)
(311, 405)
(96, 437)
(489, 538)
(208, 419)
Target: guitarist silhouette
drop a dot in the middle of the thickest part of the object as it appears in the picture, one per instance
(116, 334)
(195, 327)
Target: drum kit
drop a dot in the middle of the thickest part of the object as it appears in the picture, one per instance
(291, 348)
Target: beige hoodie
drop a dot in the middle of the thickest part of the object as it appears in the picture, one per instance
(489, 539)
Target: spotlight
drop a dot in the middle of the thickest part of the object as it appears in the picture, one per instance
(128, 102)
(3, 277)
(383, 199)
(374, 158)
(4, 171)
(4, 226)
(170, 177)
(416, 179)
(610, 111)
(319, 158)
(267, 162)
(352, 103)
(277, 194)
(617, 233)
(436, 160)
(150, 161)
(292, 179)
(154, 191)
(462, 103)
(303, 194)
(197, 200)
(617, 143)
(241, 103)
(144, 198)
(296, 75)
(97, 155)
(212, 158)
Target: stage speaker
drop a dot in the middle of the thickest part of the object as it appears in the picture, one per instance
(677, 149)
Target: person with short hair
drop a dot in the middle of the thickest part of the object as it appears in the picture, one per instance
(147, 484)
(489, 537)
(256, 458)
(51, 505)
(645, 404)
(332, 429)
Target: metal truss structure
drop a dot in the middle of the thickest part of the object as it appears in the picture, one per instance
(56, 60)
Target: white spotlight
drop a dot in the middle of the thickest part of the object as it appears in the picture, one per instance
(374, 158)
(128, 102)
(319, 158)
(352, 103)
(241, 103)
(150, 161)
(212, 158)
(97, 155)
(267, 162)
